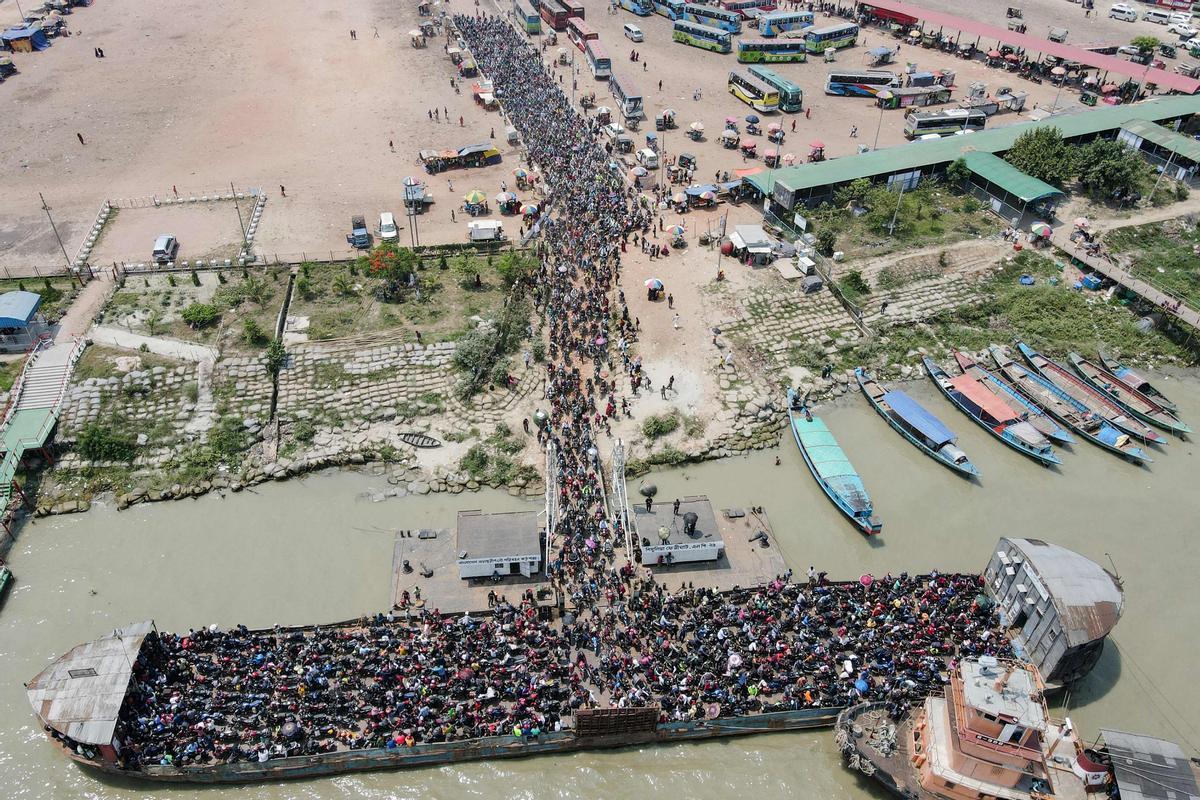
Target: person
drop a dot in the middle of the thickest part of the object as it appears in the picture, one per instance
(649, 504)
(391, 145)
(853, 131)
(353, 34)
(675, 321)
(808, 113)
(282, 191)
(80, 137)
(670, 300)
(675, 507)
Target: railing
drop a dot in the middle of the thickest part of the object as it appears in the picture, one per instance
(14, 394)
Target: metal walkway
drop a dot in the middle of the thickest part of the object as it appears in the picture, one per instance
(33, 407)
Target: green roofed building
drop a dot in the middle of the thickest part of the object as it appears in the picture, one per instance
(905, 165)
(1009, 192)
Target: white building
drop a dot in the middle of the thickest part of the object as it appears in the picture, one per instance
(498, 544)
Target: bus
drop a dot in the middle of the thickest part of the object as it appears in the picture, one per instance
(791, 97)
(629, 99)
(702, 36)
(753, 92)
(671, 9)
(777, 22)
(643, 8)
(751, 51)
(553, 14)
(713, 17)
(579, 32)
(527, 19)
(740, 7)
(943, 123)
(574, 8)
(597, 59)
(818, 40)
(861, 83)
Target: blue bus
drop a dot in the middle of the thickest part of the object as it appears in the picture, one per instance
(791, 98)
(831, 37)
(702, 36)
(528, 20)
(861, 83)
(643, 8)
(713, 17)
(671, 9)
(776, 22)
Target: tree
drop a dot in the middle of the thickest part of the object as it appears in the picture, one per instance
(1146, 44)
(826, 241)
(392, 263)
(1042, 154)
(342, 285)
(855, 192)
(255, 290)
(1107, 168)
(200, 315)
(513, 267)
(253, 333)
(957, 172)
(154, 322)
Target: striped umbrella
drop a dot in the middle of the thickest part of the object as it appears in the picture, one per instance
(679, 197)
(676, 230)
(475, 197)
(529, 209)
(505, 197)
(1041, 229)
(708, 194)
(520, 173)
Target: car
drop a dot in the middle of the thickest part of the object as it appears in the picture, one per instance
(1182, 29)
(1129, 50)
(633, 33)
(1179, 16)
(388, 231)
(359, 237)
(1123, 12)
(166, 247)
(647, 158)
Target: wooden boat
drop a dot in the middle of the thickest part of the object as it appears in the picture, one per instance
(912, 421)
(1137, 381)
(992, 414)
(1067, 410)
(1127, 397)
(6, 577)
(834, 473)
(419, 440)
(1097, 402)
(1029, 411)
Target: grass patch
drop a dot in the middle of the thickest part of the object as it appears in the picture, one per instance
(1162, 254)
(657, 426)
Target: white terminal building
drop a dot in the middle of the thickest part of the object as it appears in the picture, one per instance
(490, 545)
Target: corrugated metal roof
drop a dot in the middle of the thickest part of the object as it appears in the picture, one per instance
(996, 170)
(1147, 768)
(80, 694)
(922, 154)
(501, 535)
(1178, 144)
(1088, 599)
(919, 418)
(1035, 45)
(17, 308)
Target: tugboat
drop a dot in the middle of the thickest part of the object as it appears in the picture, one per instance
(990, 735)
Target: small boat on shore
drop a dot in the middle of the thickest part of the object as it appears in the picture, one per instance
(1096, 401)
(1137, 381)
(419, 440)
(1029, 411)
(1067, 410)
(6, 577)
(1127, 397)
(992, 414)
(912, 421)
(834, 473)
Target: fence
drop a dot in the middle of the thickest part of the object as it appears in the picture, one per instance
(175, 196)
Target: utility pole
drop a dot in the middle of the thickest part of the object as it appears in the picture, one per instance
(53, 227)
(892, 224)
(1158, 180)
(236, 205)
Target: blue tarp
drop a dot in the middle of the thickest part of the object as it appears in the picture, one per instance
(916, 417)
(17, 308)
(879, 52)
(36, 36)
(696, 191)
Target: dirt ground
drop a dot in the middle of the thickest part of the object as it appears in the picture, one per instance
(204, 231)
(286, 97)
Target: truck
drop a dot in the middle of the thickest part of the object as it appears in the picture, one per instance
(486, 230)
(358, 237)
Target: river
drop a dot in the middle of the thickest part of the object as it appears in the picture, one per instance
(316, 550)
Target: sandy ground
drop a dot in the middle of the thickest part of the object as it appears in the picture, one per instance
(285, 97)
(204, 231)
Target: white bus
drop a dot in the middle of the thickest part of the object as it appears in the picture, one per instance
(629, 99)
(598, 60)
(943, 123)
(777, 22)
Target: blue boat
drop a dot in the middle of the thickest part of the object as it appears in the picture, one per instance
(912, 421)
(829, 465)
(992, 414)
(1029, 411)
(1067, 410)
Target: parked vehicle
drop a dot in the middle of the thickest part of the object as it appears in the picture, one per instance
(358, 237)
(1123, 12)
(633, 33)
(1156, 16)
(388, 231)
(1183, 30)
(485, 231)
(165, 248)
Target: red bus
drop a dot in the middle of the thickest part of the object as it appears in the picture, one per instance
(580, 33)
(574, 8)
(742, 7)
(554, 14)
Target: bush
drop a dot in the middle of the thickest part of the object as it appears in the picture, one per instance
(498, 374)
(304, 431)
(475, 462)
(253, 334)
(513, 267)
(826, 241)
(657, 426)
(102, 443)
(195, 278)
(304, 287)
(276, 356)
(957, 172)
(200, 315)
(538, 350)
(228, 439)
(854, 285)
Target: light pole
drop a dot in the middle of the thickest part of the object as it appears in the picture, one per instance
(892, 224)
(54, 228)
(882, 99)
(1158, 180)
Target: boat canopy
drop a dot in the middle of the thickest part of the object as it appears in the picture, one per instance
(981, 398)
(915, 416)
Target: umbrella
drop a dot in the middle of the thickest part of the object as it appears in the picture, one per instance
(411, 181)
(1081, 222)
(817, 144)
(1041, 229)
(752, 119)
(529, 209)
(774, 126)
(994, 53)
(679, 197)
(653, 283)
(731, 120)
(788, 158)
(639, 171)
(697, 126)
(1091, 80)
(1108, 87)
(676, 230)
(505, 197)
(747, 142)
(1012, 57)
(866, 580)
(520, 173)
(1058, 71)
(414, 32)
(729, 133)
(669, 112)
(708, 195)
(603, 110)
(475, 196)
(601, 340)
(914, 34)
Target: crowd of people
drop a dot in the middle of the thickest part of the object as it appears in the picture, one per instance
(394, 682)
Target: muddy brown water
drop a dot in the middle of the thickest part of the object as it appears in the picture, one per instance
(316, 550)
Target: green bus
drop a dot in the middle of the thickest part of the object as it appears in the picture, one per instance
(702, 36)
(791, 96)
(754, 51)
(818, 40)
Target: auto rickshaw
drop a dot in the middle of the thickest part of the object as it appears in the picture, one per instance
(771, 159)
(624, 143)
(1016, 27)
(1167, 51)
(729, 139)
(1087, 98)
(1014, 12)
(587, 100)
(775, 134)
(563, 58)
(686, 160)
(749, 148)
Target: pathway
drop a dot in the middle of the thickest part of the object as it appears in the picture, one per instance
(159, 345)
(84, 308)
